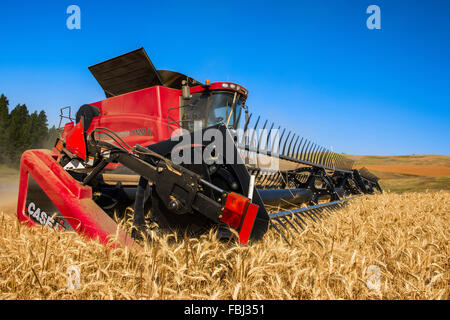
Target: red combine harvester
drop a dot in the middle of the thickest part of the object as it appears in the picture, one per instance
(119, 154)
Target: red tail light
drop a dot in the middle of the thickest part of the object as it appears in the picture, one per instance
(247, 224)
(76, 142)
(240, 214)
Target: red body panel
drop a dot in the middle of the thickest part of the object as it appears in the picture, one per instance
(76, 142)
(141, 117)
(154, 101)
(138, 117)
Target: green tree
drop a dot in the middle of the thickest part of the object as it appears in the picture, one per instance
(20, 131)
(52, 135)
(41, 130)
(29, 127)
(4, 122)
(17, 134)
(37, 129)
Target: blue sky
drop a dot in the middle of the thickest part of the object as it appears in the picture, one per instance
(312, 66)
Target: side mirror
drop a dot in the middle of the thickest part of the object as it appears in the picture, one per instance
(186, 90)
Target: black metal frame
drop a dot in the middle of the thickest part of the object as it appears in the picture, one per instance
(320, 175)
(188, 195)
(327, 175)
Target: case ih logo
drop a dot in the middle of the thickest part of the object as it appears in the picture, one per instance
(141, 132)
(43, 218)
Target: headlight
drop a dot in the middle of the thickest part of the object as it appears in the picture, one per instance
(234, 87)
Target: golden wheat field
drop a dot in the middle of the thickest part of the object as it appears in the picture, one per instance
(404, 236)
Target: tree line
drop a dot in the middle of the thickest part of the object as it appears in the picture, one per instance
(21, 130)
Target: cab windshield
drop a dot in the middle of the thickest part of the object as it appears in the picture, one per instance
(213, 108)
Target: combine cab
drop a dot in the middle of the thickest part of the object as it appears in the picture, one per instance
(183, 156)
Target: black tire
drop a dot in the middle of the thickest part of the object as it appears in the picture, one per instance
(88, 112)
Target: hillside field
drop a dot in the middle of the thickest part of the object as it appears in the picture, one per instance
(408, 173)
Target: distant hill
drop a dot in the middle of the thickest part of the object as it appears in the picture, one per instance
(408, 173)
